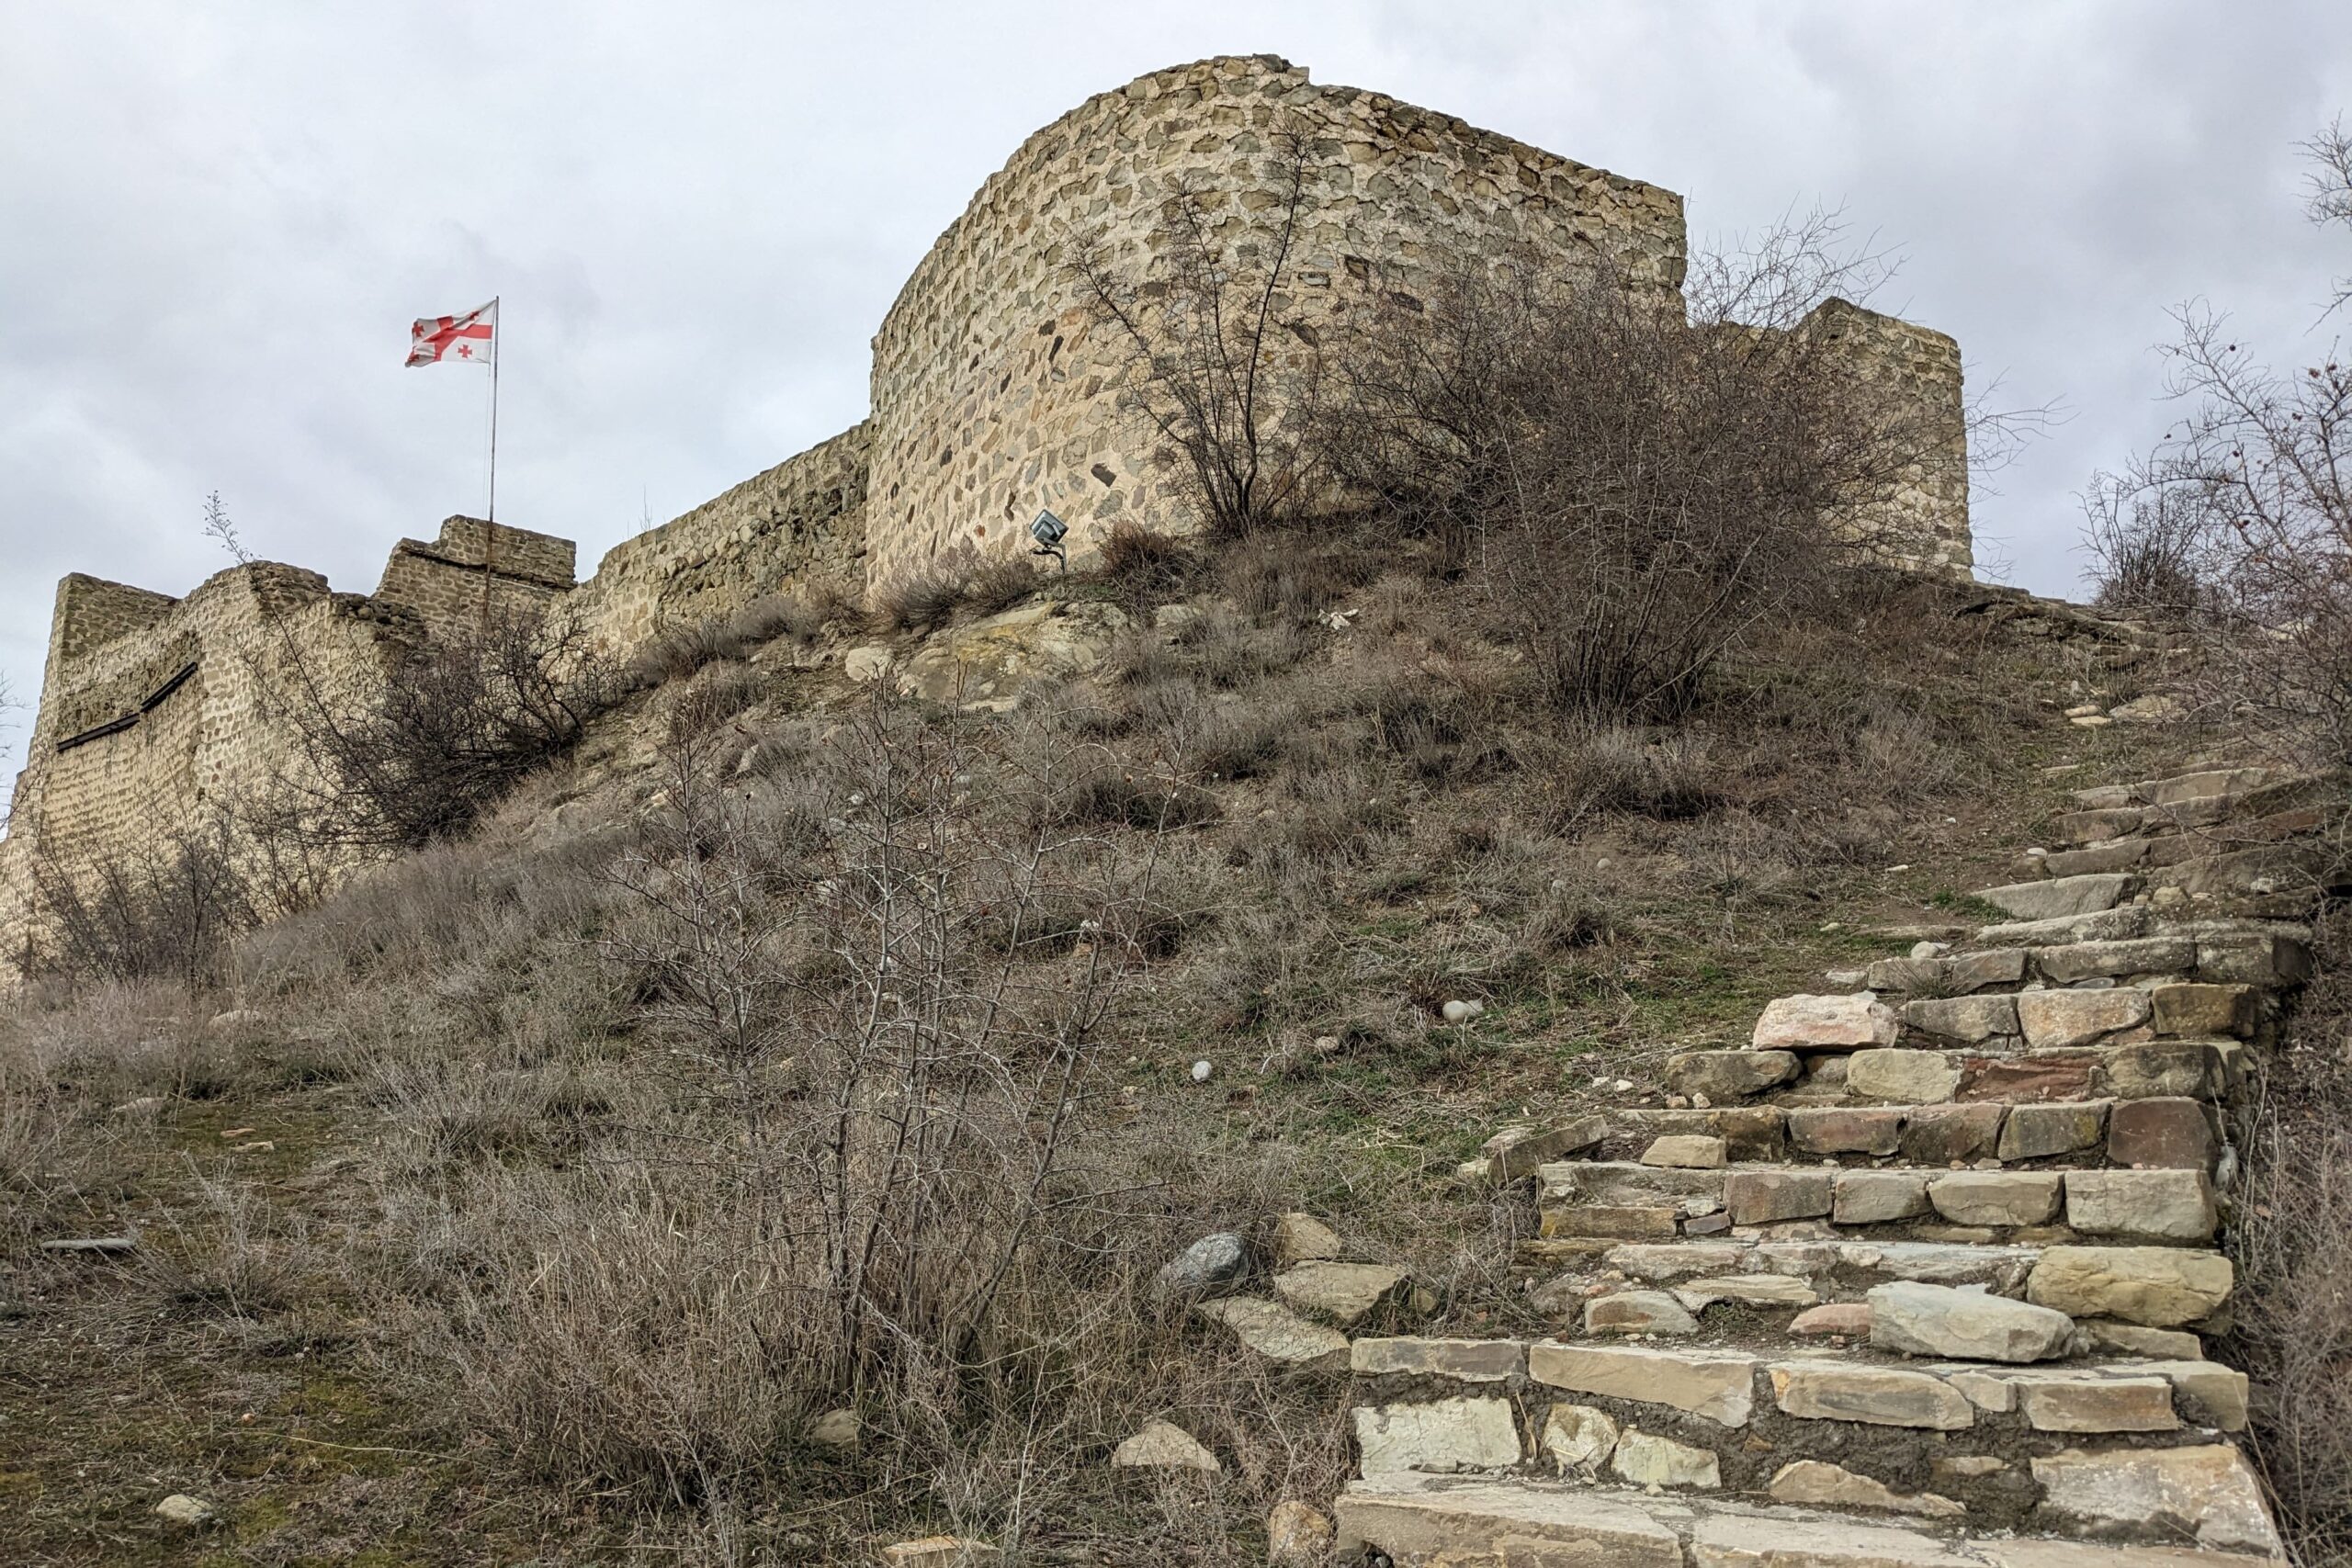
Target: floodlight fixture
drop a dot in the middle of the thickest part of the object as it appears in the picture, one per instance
(1049, 531)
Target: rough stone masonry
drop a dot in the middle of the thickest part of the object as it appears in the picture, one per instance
(994, 395)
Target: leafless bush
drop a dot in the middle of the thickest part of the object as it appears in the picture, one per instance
(999, 583)
(459, 724)
(923, 596)
(1144, 560)
(887, 1072)
(166, 909)
(680, 651)
(237, 1258)
(2291, 1237)
(1639, 492)
(1215, 373)
(2241, 516)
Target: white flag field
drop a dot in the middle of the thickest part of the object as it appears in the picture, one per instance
(471, 338)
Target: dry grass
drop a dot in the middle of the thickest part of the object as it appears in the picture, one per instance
(586, 1076)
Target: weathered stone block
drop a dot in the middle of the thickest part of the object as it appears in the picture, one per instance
(1879, 1396)
(1750, 1541)
(1459, 1523)
(2016, 1080)
(1579, 1437)
(1939, 1134)
(1278, 1333)
(1343, 1292)
(1835, 1130)
(2163, 1069)
(1729, 1074)
(1720, 1385)
(1904, 1077)
(1878, 1197)
(2162, 1287)
(2098, 1405)
(2208, 1495)
(1637, 1312)
(2056, 897)
(2199, 1011)
(1969, 1020)
(2050, 1019)
(1516, 1151)
(2172, 1132)
(1687, 1151)
(1755, 1289)
(2170, 1205)
(2115, 960)
(1761, 1196)
(1952, 975)
(2040, 1132)
(1936, 1320)
(1627, 1221)
(1995, 1197)
(1825, 1023)
(1466, 1361)
(1813, 1482)
(1645, 1460)
(1443, 1436)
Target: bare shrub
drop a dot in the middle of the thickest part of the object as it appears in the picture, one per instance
(923, 596)
(2291, 1237)
(1143, 560)
(2240, 517)
(1215, 372)
(1639, 492)
(680, 651)
(1600, 769)
(997, 584)
(458, 723)
(167, 909)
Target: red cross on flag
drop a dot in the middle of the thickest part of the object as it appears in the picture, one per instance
(468, 338)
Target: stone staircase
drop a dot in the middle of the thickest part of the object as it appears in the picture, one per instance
(1922, 1275)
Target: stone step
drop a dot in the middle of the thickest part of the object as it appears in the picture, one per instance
(2173, 1131)
(1859, 1383)
(2056, 898)
(2043, 1017)
(2170, 1288)
(2194, 1507)
(2132, 814)
(1634, 1202)
(2141, 853)
(2265, 956)
(1915, 1076)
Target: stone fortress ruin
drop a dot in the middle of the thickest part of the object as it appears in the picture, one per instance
(995, 393)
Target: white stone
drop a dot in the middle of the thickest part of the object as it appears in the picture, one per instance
(1938, 1320)
(1445, 1435)
(1579, 1437)
(1646, 1459)
(1809, 1022)
(1163, 1445)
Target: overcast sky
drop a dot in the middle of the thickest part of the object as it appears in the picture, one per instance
(217, 220)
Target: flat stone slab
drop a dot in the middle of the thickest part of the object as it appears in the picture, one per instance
(1443, 1434)
(1423, 1520)
(1720, 1385)
(2160, 1287)
(1916, 1319)
(2056, 897)
(2206, 1493)
(1277, 1332)
(1466, 1361)
(1878, 1396)
(1344, 1292)
(1806, 1022)
(1747, 1541)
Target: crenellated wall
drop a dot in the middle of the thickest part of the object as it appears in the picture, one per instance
(799, 522)
(995, 393)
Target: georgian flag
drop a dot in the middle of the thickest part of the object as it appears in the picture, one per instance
(468, 338)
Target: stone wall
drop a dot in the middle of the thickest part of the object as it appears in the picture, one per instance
(801, 522)
(1914, 374)
(993, 393)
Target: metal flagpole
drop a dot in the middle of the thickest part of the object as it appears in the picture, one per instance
(490, 522)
